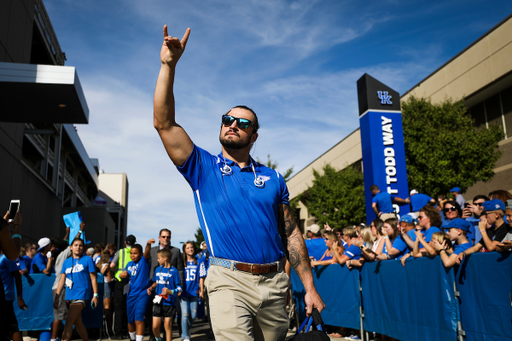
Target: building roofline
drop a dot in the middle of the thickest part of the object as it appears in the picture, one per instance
(458, 54)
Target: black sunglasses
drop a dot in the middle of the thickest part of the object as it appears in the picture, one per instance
(241, 123)
(478, 204)
(165, 237)
(450, 209)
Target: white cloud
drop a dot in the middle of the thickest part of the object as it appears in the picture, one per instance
(278, 57)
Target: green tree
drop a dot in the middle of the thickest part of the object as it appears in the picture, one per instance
(444, 148)
(199, 238)
(336, 197)
(273, 165)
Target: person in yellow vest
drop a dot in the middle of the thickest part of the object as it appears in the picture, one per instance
(120, 260)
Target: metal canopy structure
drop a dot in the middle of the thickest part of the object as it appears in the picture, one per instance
(41, 93)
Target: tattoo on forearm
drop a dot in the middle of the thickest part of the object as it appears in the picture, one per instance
(293, 242)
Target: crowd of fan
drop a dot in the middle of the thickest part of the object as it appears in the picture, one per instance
(450, 229)
(155, 285)
(161, 282)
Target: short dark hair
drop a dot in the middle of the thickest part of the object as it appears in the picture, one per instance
(374, 188)
(454, 204)
(138, 247)
(256, 123)
(165, 230)
(481, 196)
(166, 253)
(98, 247)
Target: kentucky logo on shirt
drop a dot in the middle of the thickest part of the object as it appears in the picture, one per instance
(76, 268)
(161, 279)
(133, 269)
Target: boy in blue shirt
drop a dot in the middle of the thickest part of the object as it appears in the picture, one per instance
(167, 286)
(137, 299)
(457, 230)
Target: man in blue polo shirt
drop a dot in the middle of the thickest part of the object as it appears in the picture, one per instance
(382, 203)
(244, 213)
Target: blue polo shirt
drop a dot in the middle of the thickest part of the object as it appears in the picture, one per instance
(384, 202)
(6, 267)
(239, 220)
(418, 201)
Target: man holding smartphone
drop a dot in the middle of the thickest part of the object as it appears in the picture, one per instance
(243, 209)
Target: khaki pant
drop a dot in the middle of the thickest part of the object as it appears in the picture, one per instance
(247, 307)
(385, 216)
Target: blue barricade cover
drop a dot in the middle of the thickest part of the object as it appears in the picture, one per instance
(339, 288)
(415, 302)
(484, 281)
(37, 294)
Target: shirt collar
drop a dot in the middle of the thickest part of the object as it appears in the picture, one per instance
(231, 163)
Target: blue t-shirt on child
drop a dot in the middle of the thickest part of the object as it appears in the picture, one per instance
(193, 272)
(139, 276)
(78, 270)
(167, 278)
(458, 249)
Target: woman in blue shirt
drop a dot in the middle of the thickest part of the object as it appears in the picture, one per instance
(78, 274)
(192, 290)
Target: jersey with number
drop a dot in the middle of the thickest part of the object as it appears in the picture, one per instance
(167, 278)
(78, 270)
(193, 272)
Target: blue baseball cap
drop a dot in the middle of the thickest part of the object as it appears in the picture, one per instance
(493, 205)
(408, 219)
(455, 189)
(458, 223)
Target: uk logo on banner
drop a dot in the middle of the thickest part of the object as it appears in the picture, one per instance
(384, 97)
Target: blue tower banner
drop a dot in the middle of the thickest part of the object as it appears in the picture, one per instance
(382, 141)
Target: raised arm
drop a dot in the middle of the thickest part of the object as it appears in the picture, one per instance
(10, 245)
(176, 141)
(147, 252)
(299, 258)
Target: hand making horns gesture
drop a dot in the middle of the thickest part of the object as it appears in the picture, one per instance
(173, 48)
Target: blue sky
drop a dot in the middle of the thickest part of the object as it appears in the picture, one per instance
(295, 63)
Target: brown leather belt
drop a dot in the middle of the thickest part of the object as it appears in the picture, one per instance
(257, 269)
